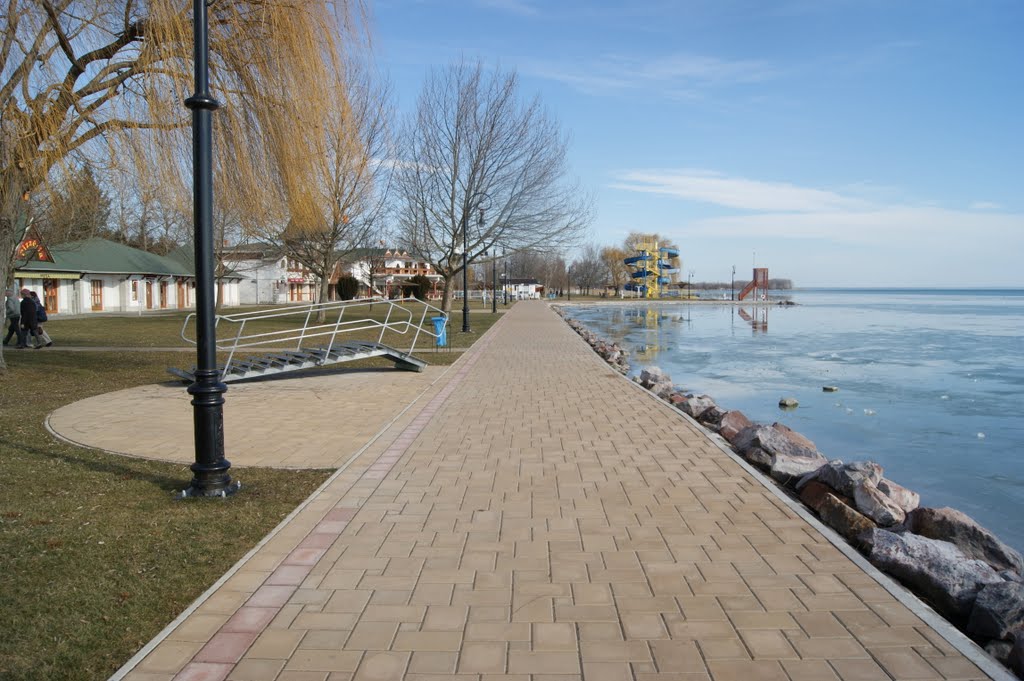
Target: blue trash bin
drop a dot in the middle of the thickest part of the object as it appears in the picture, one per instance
(441, 330)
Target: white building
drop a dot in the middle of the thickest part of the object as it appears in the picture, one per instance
(523, 289)
(97, 275)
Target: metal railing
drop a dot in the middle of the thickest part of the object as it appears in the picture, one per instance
(399, 318)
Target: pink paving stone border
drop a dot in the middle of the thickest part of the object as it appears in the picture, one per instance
(218, 657)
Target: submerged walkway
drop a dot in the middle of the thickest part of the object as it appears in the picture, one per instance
(534, 517)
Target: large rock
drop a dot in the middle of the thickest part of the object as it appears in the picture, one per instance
(712, 417)
(1016, 660)
(998, 612)
(695, 406)
(676, 399)
(844, 520)
(792, 454)
(758, 457)
(901, 496)
(1000, 650)
(650, 376)
(974, 540)
(732, 423)
(814, 493)
(844, 477)
(780, 440)
(746, 437)
(789, 469)
(871, 502)
(937, 570)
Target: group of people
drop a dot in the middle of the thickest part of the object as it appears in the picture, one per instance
(25, 320)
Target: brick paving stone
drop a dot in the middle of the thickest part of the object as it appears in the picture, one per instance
(534, 517)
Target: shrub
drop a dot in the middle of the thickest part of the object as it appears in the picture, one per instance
(348, 287)
(420, 286)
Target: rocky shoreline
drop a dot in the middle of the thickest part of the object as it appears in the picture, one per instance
(958, 567)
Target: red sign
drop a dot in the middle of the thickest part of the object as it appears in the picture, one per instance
(32, 248)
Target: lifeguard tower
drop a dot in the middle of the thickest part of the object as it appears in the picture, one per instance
(759, 281)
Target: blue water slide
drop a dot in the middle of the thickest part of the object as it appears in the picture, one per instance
(670, 270)
(663, 264)
(670, 252)
(664, 280)
(643, 274)
(637, 258)
(635, 287)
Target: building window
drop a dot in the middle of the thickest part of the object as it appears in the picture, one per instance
(135, 291)
(97, 295)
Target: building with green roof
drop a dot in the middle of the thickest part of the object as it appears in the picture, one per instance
(98, 275)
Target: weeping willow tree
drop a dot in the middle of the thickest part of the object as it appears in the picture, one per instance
(101, 83)
(349, 181)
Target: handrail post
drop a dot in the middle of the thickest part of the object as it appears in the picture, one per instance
(302, 334)
(419, 327)
(337, 325)
(234, 347)
(387, 320)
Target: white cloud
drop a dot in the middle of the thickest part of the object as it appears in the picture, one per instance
(778, 210)
(733, 192)
(511, 6)
(884, 226)
(985, 205)
(673, 73)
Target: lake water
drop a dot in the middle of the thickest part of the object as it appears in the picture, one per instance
(931, 382)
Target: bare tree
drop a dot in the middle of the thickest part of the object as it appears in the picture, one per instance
(102, 81)
(351, 182)
(78, 208)
(484, 167)
(588, 271)
(617, 270)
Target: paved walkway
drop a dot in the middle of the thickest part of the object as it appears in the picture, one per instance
(534, 517)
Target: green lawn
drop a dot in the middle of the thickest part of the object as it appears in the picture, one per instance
(163, 329)
(97, 554)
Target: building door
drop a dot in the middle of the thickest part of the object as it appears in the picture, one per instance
(97, 295)
(149, 295)
(163, 294)
(181, 294)
(50, 295)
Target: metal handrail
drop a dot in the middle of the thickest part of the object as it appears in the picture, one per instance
(405, 321)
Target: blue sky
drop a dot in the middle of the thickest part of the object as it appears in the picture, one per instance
(837, 142)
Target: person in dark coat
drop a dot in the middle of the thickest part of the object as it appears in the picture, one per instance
(40, 318)
(13, 314)
(29, 320)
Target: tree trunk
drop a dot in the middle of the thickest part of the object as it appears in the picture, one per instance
(12, 187)
(446, 295)
(325, 292)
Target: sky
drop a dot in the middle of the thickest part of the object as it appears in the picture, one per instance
(837, 142)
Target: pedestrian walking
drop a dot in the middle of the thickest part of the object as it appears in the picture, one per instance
(40, 318)
(29, 320)
(13, 316)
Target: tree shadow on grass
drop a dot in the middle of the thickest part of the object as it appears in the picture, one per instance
(104, 463)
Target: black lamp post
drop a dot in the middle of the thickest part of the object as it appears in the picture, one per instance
(210, 476)
(494, 282)
(732, 286)
(568, 288)
(465, 277)
(504, 277)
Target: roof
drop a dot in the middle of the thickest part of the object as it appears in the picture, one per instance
(512, 281)
(107, 257)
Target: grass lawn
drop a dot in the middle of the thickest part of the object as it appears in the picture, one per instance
(97, 555)
(163, 329)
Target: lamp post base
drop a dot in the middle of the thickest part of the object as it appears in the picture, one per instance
(194, 490)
